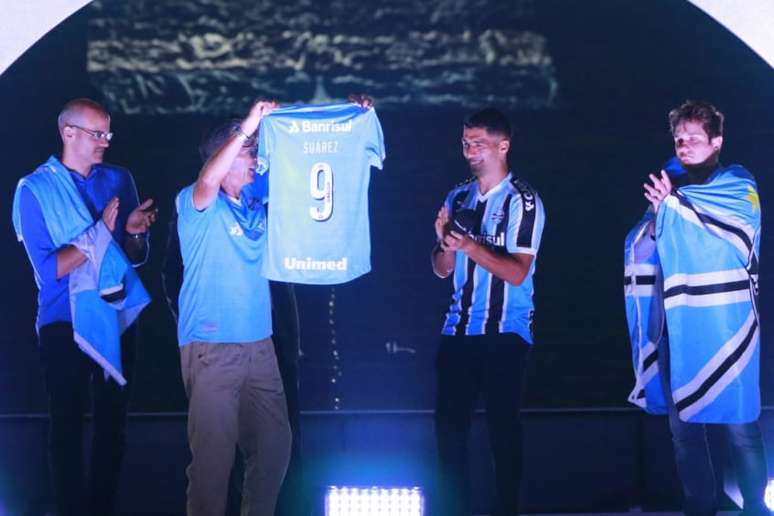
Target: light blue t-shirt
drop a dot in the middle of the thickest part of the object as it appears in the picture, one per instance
(224, 298)
(508, 219)
(319, 160)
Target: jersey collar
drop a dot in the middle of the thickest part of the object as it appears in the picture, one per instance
(493, 191)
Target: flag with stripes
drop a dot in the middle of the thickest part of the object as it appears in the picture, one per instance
(707, 244)
(644, 314)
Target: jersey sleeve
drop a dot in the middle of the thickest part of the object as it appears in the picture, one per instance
(525, 223)
(375, 141)
(447, 203)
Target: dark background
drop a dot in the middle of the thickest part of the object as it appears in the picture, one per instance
(619, 67)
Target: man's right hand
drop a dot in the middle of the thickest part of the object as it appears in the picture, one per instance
(259, 110)
(442, 257)
(441, 221)
(659, 190)
(110, 213)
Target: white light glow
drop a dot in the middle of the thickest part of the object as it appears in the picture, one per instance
(374, 501)
(769, 496)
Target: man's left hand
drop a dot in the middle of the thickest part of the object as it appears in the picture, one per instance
(362, 100)
(141, 218)
(454, 241)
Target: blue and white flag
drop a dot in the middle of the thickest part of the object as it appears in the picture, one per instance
(707, 244)
(643, 286)
(106, 295)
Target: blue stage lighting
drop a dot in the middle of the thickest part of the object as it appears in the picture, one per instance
(374, 501)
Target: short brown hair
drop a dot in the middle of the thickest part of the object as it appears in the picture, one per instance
(700, 111)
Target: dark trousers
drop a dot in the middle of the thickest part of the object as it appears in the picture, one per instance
(694, 463)
(68, 374)
(466, 366)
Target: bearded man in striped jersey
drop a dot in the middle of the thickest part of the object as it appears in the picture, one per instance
(691, 293)
(488, 232)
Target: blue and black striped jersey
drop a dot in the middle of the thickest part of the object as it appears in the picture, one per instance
(509, 219)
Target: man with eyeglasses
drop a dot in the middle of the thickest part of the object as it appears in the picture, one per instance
(61, 211)
(691, 290)
(285, 338)
(228, 364)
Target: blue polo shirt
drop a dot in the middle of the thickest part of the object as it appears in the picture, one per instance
(224, 298)
(102, 184)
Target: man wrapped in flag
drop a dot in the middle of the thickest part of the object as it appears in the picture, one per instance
(84, 231)
(691, 268)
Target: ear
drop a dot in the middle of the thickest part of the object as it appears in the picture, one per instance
(716, 142)
(504, 146)
(67, 132)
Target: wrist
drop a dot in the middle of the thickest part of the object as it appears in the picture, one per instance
(243, 135)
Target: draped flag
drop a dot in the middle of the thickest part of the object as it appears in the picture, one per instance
(705, 276)
(645, 313)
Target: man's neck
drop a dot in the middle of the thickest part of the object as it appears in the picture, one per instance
(81, 168)
(490, 179)
(232, 189)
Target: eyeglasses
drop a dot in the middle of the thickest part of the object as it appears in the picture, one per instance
(97, 135)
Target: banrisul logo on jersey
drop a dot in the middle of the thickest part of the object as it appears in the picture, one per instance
(310, 126)
(292, 264)
(491, 240)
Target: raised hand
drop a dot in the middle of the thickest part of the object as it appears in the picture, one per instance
(362, 100)
(441, 220)
(141, 218)
(110, 213)
(259, 110)
(658, 191)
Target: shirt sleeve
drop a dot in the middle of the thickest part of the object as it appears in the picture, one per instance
(525, 223)
(191, 221)
(37, 240)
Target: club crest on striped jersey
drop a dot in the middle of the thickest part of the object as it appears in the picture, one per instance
(498, 216)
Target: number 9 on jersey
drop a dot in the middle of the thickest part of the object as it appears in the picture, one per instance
(321, 189)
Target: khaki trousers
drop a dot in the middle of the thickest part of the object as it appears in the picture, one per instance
(235, 398)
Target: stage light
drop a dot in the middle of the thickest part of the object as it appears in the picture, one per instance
(374, 501)
(769, 496)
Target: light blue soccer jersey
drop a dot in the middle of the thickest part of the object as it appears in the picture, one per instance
(508, 219)
(224, 298)
(319, 160)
